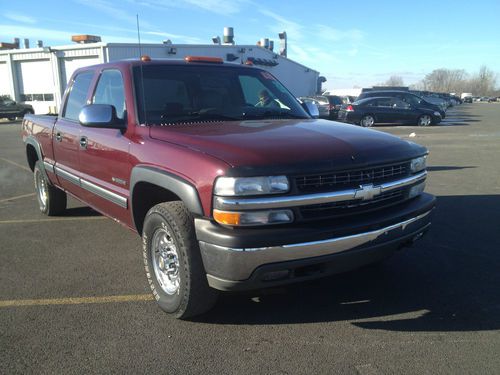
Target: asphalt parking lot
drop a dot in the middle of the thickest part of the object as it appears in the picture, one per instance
(74, 297)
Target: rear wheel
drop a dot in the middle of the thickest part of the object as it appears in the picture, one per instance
(367, 121)
(424, 120)
(51, 200)
(173, 263)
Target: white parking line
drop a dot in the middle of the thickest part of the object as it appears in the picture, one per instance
(76, 300)
(18, 197)
(16, 164)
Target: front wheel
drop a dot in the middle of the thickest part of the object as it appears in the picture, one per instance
(367, 121)
(424, 120)
(173, 263)
(51, 200)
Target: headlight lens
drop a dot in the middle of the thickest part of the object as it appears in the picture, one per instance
(418, 164)
(437, 114)
(267, 217)
(241, 186)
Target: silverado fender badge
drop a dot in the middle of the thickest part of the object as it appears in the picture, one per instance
(367, 192)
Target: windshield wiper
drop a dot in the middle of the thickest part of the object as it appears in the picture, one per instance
(198, 116)
(281, 114)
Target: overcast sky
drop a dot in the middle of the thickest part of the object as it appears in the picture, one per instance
(352, 43)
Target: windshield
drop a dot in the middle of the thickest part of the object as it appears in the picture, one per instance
(175, 94)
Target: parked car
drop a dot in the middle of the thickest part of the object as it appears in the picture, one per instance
(467, 99)
(414, 100)
(492, 99)
(229, 191)
(320, 102)
(335, 102)
(368, 112)
(11, 110)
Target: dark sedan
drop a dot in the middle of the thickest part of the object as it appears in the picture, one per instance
(370, 111)
(406, 96)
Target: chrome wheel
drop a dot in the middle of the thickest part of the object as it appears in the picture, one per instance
(424, 120)
(367, 121)
(166, 261)
(42, 189)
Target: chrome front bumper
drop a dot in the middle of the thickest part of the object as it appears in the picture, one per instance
(226, 267)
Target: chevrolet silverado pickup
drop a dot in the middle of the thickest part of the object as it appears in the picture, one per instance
(230, 181)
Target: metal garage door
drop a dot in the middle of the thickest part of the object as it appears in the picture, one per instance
(4, 79)
(35, 77)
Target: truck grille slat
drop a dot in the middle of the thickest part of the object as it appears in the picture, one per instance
(357, 206)
(351, 179)
(340, 180)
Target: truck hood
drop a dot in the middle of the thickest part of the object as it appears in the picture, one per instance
(286, 146)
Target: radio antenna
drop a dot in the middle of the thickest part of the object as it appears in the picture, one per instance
(142, 73)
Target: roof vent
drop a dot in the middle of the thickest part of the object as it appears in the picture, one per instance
(85, 39)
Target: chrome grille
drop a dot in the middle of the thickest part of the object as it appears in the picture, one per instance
(345, 179)
(355, 206)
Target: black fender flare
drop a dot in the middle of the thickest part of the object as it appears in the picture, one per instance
(32, 141)
(177, 185)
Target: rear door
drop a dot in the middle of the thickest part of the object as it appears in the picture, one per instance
(66, 134)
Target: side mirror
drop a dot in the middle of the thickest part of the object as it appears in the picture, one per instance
(311, 108)
(100, 116)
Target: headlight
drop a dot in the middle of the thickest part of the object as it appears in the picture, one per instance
(437, 114)
(239, 186)
(418, 164)
(267, 217)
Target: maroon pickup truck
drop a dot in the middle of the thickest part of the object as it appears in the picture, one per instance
(226, 176)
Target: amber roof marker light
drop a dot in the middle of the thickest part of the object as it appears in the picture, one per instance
(204, 59)
(145, 58)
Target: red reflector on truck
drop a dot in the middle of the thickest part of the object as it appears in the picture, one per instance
(205, 59)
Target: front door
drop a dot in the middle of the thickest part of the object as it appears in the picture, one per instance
(104, 163)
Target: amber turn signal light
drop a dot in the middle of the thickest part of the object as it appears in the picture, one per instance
(227, 218)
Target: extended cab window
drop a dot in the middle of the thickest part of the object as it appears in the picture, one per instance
(110, 90)
(78, 95)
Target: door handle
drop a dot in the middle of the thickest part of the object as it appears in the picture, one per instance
(58, 137)
(83, 142)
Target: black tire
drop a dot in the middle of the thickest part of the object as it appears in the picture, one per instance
(11, 118)
(179, 287)
(367, 121)
(51, 200)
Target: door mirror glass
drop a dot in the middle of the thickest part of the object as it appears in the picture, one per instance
(100, 116)
(311, 108)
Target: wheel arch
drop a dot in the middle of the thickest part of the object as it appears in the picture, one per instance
(33, 153)
(150, 186)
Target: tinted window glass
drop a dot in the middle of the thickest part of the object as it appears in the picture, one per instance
(190, 93)
(78, 95)
(110, 91)
(385, 102)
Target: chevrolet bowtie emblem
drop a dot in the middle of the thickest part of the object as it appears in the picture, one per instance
(367, 192)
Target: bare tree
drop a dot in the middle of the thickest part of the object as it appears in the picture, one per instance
(484, 82)
(394, 80)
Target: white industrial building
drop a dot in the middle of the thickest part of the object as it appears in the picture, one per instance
(38, 76)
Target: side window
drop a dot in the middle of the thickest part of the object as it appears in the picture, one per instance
(397, 103)
(384, 102)
(110, 90)
(78, 95)
(251, 87)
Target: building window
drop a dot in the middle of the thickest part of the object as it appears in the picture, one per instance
(36, 97)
